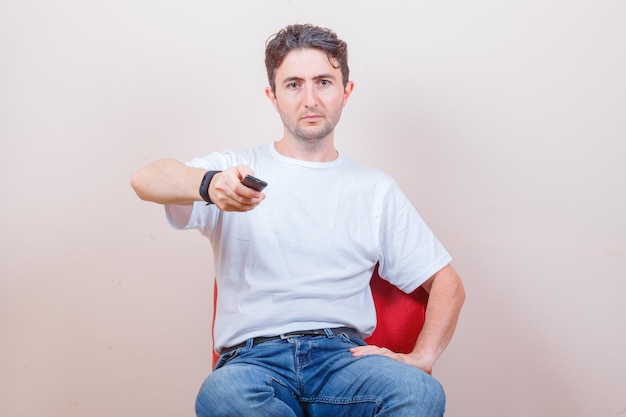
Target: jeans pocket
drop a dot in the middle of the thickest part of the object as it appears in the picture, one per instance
(357, 341)
(225, 358)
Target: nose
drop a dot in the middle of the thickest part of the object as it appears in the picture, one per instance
(310, 95)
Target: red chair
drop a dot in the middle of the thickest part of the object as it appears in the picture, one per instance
(400, 316)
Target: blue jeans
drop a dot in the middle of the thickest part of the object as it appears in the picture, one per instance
(316, 376)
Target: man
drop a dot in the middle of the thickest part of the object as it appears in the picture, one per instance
(293, 263)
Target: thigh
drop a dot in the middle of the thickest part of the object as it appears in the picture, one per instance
(376, 385)
(243, 389)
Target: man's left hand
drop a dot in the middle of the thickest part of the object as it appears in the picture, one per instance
(410, 359)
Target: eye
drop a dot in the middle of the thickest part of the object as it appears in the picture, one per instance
(324, 82)
(293, 85)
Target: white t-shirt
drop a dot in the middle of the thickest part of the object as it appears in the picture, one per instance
(303, 258)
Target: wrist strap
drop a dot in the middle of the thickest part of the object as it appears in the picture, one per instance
(204, 186)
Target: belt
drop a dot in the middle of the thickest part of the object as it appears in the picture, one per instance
(315, 332)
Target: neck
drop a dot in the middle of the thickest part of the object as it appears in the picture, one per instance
(311, 150)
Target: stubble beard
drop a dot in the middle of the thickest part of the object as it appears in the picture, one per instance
(313, 137)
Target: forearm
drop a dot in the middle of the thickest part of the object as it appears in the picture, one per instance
(446, 297)
(444, 305)
(167, 181)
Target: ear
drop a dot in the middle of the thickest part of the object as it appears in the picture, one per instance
(347, 91)
(271, 96)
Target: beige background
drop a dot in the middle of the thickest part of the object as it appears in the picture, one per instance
(503, 121)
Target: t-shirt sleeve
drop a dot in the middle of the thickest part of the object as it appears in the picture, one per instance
(410, 251)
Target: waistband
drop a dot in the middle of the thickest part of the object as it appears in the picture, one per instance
(336, 331)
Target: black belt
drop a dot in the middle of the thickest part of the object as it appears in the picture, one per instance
(315, 332)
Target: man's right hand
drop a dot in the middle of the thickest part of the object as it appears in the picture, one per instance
(229, 194)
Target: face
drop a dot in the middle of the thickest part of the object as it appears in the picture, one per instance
(309, 95)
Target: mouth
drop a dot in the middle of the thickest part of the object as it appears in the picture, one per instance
(311, 118)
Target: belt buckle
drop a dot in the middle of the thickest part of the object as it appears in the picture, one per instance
(286, 336)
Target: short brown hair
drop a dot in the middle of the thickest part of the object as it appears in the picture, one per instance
(305, 36)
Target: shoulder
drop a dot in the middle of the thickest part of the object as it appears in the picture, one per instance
(227, 158)
(375, 176)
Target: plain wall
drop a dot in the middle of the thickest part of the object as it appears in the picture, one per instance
(503, 121)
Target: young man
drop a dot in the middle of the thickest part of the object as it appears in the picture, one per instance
(293, 263)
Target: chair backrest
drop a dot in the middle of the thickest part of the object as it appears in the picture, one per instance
(400, 316)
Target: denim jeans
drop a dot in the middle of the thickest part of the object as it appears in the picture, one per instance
(316, 376)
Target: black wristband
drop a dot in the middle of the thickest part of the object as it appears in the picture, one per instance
(204, 186)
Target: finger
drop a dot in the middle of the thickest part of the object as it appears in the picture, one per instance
(234, 196)
(243, 170)
(233, 205)
(247, 192)
(369, 350)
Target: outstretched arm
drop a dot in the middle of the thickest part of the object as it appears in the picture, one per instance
(169, 181)
(446, 297)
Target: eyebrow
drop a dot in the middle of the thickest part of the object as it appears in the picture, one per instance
(327, 76)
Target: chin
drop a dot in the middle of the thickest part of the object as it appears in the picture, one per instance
(312, 135)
